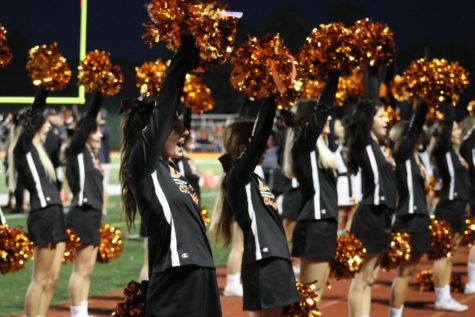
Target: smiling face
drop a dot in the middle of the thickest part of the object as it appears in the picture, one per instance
(94, 140)
(380, 124)
(43, 131)
(456, 134)
(175, 142)
(339, 129)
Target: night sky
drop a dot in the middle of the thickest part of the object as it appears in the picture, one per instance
(436, 28)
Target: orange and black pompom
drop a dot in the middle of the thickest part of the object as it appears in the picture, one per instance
(111, 244)
(442, 237)
(435, 81)
(374, 41)
(264, 67)
(47, 67)
(149, 77)
(73, 243)
(135, 296)
(214, 30)
(15, 249)
(197, 95)
(329, 47)
(399, 251)
(5, 54)
(97, 73)
(307, 306)
(349, 256)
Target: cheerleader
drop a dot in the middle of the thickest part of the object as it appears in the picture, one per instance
(467, 150)
(85, 175)
(313, 164)
(454, 195)
(412, 215)
(348, 186)
(182, 274)
(267, 276)
(372, 219)
(46, 225)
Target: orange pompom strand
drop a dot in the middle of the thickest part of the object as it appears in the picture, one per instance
(349, 256)
(399, 251)
(197, 95)
(307, 305)
(149, 77)
(5, 54)
(15, 249)
(111, 244)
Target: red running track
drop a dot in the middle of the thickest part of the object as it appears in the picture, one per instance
(334, 303)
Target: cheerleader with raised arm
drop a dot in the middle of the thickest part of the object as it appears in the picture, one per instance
(372, 219)
(412, 214)
(467, 150)
(309, 159)
(46, 225)
(267, 276)
(85, 175)
(454, 195)
(181, 269)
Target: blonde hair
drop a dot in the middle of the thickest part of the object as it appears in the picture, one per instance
(44, 158)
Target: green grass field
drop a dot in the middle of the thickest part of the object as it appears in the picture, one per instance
(106, 277)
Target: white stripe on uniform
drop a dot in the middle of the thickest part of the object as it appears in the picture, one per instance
(36, 178)
(252, 216)
(374, 168)
(450, 166)
(316, 186)
(168, 216)
(82, 177)
(410, 186)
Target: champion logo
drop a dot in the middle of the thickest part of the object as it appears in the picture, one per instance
(185, 255)
(265, 249)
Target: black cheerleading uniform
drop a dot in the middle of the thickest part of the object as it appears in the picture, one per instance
(455, 191)
(291, 199)
(85, 180)
(372, 219)
(267, 276)
(182, 274)
(316, 230)
(412, 214)
(467, 150)
(46, 220)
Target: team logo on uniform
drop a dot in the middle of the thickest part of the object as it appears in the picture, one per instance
(183, 185)
(266, 194)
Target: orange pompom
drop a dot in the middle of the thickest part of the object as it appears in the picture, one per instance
(442, 237)
(307, 305)
(214, 31)
(150, 76)
(97, 73)
(111, 244)
(197, 95)
(5, 54)
(375, 42)
(399, 251)
(47, 67)
(135, 296)
(349, 256)
(73, 242)
(15, 249)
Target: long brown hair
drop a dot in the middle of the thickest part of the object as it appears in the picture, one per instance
(236, 137)
(132, 126)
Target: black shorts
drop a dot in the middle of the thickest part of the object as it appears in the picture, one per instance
(291, 202)
(86, 223)
(372, 226)
(268, 283)
(315, 239)
(417, 225)
(453, 212)
(46, 225)
(190, 291)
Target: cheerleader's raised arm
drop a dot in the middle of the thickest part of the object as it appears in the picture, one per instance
(146, 153)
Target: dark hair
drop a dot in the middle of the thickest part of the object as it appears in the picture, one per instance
(132, 126)
(357, 130)
(236, 135)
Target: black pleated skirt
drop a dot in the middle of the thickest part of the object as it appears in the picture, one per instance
(372, 226)
(453, 212)
(417, 225)
(190, 291)
(268, 283)
(47, 225)
(86, 223)
(315, 239)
